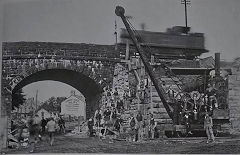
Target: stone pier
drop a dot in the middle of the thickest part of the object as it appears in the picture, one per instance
(234, 99)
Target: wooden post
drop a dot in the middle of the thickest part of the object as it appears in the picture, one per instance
(217, 64)
(151, 93)
(127, 50)
(78, 123)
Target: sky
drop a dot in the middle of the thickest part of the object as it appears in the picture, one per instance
(92, 21)
(47, 89)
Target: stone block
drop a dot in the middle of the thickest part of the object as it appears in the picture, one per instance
(236, 113)
(234, 109)
(234, 116)
(161, 116)
(234, 104)
(234, 98)
(235, 123)
(231, 98)
(156, 97)
(237, 93)
(231, 92)
(162, 109)
(232, 77)
(236, 87)
(164, 121)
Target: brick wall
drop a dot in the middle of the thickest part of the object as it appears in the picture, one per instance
(234, 99)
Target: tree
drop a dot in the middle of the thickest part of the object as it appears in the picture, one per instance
(55, 103)
(18, 98)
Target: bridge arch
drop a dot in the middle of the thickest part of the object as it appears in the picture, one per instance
(89, 77)
(90, 67)
(84, 84)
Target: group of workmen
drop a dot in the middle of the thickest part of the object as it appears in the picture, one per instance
(107, 122)
(104, 122)
(109, 118)
(38, 127)
(110, 122)
(138, 125)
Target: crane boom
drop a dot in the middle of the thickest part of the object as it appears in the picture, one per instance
(161, 92)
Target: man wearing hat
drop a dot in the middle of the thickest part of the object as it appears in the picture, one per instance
(208, 125)
(90, 127)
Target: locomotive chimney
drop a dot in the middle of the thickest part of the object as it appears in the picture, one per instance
(217, 64)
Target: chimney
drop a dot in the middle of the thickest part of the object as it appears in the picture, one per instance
(217, 64)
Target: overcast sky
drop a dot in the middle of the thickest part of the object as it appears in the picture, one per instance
(47, 89)
(92, 21)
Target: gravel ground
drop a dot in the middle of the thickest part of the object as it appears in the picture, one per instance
(70, 144)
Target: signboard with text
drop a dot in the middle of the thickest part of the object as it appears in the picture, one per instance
(73, 106)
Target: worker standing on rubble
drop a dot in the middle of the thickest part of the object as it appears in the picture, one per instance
(151, 126)
(139, 126)
(34, 129)
(98, 117)
(90, 127)
(43, 124)
(21, 125)
(132, 128)
(51, 128)
(107, 122)
(61, 124)
(208, 126)
(171, 92)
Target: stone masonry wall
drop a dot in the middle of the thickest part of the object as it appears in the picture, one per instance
(234, 99)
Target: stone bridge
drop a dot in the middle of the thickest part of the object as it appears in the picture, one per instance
(87, 67)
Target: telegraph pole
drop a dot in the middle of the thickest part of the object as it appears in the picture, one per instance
(115, 33)
(36, 99)
(186, 2)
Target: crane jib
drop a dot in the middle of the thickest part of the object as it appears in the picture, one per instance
(120, 12)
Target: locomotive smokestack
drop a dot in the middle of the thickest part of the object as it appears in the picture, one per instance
(217, 64)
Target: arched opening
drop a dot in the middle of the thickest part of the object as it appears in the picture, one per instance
(47, 98)
(87, 86)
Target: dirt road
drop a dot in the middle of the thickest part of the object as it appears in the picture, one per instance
(70, 144)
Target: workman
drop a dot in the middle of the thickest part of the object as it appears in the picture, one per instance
(208, 126)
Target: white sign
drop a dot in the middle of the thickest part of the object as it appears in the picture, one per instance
(74, 107)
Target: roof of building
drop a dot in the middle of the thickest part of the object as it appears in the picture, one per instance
(78, 96)
(45, 106)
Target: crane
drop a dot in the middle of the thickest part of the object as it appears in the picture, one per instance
(119, 11)
(187, 104)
